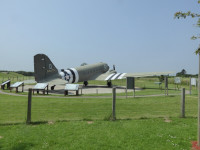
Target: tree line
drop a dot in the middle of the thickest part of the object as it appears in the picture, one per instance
(25, 73)
(183, 73)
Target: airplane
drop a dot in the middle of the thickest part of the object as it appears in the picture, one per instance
(45, 71)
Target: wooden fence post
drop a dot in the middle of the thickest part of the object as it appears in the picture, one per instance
(198, 134)
(166, 86)
(113, 104)
(183, 103)
(126, 92)
(28, 121)
(190, 85)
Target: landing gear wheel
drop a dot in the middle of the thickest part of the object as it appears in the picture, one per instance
(109, 83)
(85, 83)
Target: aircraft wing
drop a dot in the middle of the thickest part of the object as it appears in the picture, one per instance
(148, 74)
(115, 76)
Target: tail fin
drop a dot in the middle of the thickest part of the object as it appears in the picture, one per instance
(44, 69)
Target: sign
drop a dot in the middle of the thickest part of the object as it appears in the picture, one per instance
(40, 86)
(130, 82)
(72, 87)
(177, 80)
(193, 81)
(17, 84)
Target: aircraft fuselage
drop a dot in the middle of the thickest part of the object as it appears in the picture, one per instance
(83, 73)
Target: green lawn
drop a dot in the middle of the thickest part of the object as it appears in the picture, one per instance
(84, 123)
(13, 108)
(142, 134)
(14, 77)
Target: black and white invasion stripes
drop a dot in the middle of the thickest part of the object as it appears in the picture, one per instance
(73, 75)
(115, 76)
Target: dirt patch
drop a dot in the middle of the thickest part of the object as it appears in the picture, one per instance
(1, 137)
(50, 122)
(90, 122)
(167, 120)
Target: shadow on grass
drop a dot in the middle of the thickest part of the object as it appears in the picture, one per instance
(159, 89)
(22, 123)
(106, 118)
(9, 124)
(22, 146)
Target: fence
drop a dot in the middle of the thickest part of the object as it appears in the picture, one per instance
(49, 109)
(16, 78)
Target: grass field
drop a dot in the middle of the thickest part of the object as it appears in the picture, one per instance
(14, 77)
(84, 123)
(74, 123)
(138, 134)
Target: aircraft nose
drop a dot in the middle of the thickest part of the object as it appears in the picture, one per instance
(62, 74)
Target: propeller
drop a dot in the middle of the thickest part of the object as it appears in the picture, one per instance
(113, 67)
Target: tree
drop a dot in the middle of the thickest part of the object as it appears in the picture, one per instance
(161, 78)
(193, 15)
(182, 73)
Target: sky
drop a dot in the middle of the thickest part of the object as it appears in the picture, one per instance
(135, 35)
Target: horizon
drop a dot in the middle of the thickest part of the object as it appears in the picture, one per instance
(134, 36)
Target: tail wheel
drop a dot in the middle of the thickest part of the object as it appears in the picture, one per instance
(85, 83)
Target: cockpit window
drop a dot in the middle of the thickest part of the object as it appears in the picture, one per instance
(106, 68)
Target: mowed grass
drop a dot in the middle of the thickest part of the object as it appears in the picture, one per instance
(142, 134)
(84, 123)
(13, 109)
(14, 77)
